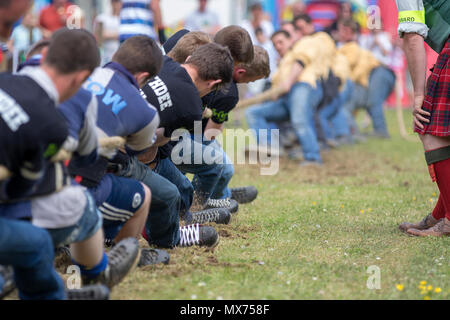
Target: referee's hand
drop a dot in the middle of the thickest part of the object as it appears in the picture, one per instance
(419, 114)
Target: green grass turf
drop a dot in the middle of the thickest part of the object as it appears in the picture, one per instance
(313, 233)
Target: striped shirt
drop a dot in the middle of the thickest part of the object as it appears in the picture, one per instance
(136, 18)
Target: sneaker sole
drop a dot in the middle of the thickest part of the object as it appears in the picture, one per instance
(215, 243)
(132, 268)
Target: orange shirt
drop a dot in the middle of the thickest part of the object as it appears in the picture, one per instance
(53, 19)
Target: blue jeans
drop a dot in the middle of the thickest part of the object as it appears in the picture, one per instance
(340, 126)
(89, 223)
(30, 251)
(211, 174)
(326, 113)
(298, 106)
(221, 191)
(168, 170)
(381, 84)
(163, 221)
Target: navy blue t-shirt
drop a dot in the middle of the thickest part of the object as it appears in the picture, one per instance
(31, 129)
(221, 103)
(176, 98)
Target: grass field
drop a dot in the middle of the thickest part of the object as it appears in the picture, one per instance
(313, 234)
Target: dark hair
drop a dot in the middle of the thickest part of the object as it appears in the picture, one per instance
(72, 50)
(38, 47)
(302, 16)
(238, 41)
(283, 32)
(258, 30)
(140, 54)
(212, 62)
(350, 23)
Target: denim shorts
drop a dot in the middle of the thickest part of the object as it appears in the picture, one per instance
(89, 223)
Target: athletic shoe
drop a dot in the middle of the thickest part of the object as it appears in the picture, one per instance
(219, 216)
(427, 222)
(7, 274)
(109, 243)
(195, 234)
(442, 228)
(94, 292)
(121, 260)
(244, 194)
(229, 204)
(153, 256)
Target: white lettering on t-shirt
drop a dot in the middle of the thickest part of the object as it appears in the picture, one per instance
(162, 92)
(11, 112)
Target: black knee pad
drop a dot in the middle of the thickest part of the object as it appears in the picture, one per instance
(437, 155)
(434, 156)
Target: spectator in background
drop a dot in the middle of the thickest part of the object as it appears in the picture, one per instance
(141, 18)
(264, 42)
(107, 31)
(54, 17)
(379, 43)
(345, 12)
(289, 27)
(347, 32)
(25, 35)
(298, 8)
(203, 20)
(258, 20)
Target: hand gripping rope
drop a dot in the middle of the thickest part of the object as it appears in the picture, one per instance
(63, 155)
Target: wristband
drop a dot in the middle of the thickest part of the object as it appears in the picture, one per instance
(162, 35)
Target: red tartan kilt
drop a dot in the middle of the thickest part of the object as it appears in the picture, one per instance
(437, 99)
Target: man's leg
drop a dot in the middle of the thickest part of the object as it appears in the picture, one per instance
(440, 172)
(303, 102)
(357, 99)
(126, 209)
(326, 114)
(381, 84)
(340, 124)
(207, 172)
(86, 238)
(168, 170)
(221, 191)
(162, 226)
(259, 117)
(30, 251)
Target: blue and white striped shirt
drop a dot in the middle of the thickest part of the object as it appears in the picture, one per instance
(136, 18)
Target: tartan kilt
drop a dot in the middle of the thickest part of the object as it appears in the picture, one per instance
(437, 99)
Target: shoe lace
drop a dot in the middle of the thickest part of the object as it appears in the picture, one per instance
(206, 216)
(190, 235)
(219, 202)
